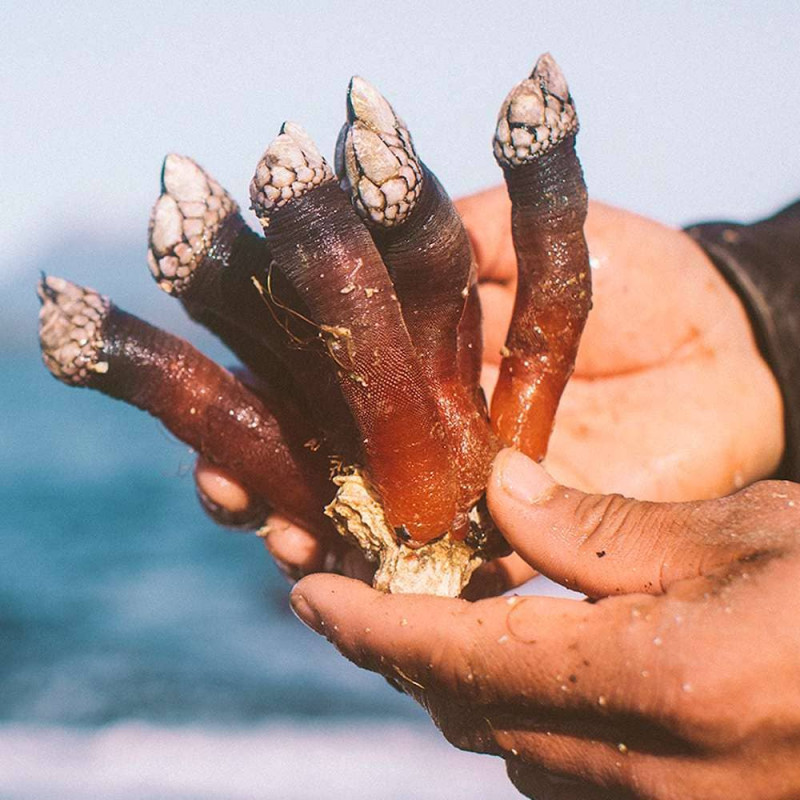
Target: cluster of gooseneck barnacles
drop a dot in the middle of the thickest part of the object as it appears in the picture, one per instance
(358, 318)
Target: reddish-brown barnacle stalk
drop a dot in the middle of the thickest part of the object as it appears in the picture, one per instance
(534, 143)
(425, 247)
(203, 252)
(198, 241)
(470, 340)
(328, 256)
(87, 341)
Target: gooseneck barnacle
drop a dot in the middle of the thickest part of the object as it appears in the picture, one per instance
(535, 146)
(358, 317)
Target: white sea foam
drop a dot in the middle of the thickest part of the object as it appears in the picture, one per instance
(284, 761)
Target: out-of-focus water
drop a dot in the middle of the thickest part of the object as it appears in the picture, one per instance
(146, 653)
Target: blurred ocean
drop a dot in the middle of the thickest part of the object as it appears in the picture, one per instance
(144, 653)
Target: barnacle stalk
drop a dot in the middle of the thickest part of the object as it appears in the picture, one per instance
(534, 144)
(87, 341)
(428, 255)
(329, 258)
(203, 252)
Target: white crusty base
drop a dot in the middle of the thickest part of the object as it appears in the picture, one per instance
(442, 567)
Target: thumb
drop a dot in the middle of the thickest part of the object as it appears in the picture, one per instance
(604, 544)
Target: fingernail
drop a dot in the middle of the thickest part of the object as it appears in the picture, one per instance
(250, 518)
(305, 613)
(225, 501)
(272, 530)
(523, 479)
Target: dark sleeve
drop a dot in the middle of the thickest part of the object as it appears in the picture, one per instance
(761, 262)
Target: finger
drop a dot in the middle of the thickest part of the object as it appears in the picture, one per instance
(609, 544)
(613, 769)
(530, 653)
(498, 576)
(225, 500)
(542, 785)
(487, 218)
(611, 766)
(298, 552)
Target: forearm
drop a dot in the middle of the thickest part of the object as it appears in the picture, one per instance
(761, 262)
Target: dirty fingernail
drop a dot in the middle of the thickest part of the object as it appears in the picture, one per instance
(225, 500)
(305, 613)
(523, 479)
(220, 487)
(248, 519)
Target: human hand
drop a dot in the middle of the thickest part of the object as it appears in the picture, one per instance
(670, 399)
(684, 684)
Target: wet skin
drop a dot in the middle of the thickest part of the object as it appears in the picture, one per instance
(681, 682)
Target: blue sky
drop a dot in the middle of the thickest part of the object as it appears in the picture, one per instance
(688, 110)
